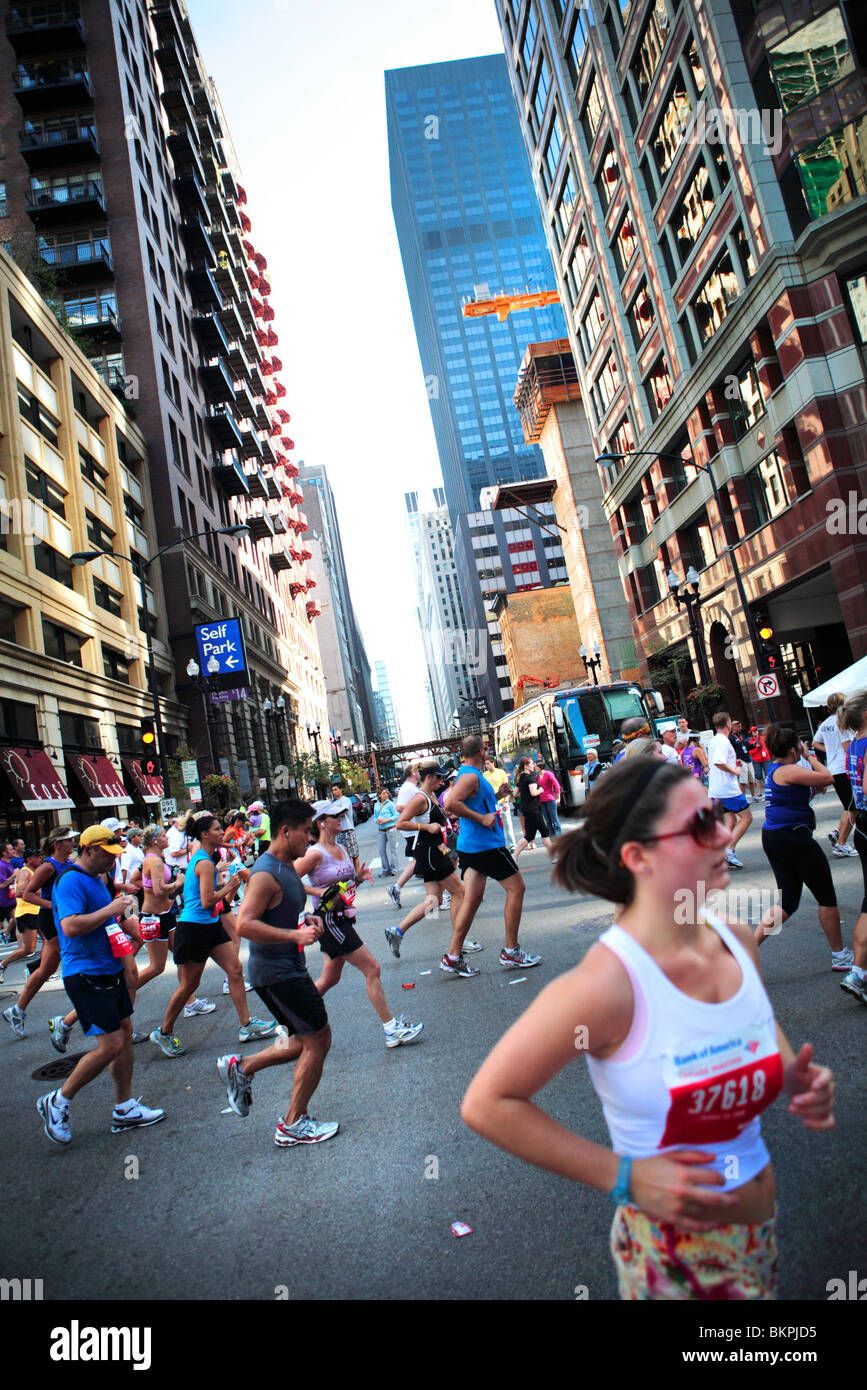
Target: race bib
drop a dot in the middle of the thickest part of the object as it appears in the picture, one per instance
(717, 1088)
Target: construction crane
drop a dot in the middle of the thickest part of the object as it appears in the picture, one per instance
(505, 304)
(546, 682)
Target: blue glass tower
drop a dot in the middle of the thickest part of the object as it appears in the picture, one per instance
(466, 214)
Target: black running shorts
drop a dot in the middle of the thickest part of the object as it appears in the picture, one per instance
(195, 941)
(431, 865)
(493, 863)
(102, 1002)
(46, 925)
(843, 788)
(296, 1003)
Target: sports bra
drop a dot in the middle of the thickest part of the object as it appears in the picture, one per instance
(146, 882)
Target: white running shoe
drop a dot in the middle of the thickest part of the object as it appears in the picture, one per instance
(842, 960)
(256, 1028)
(239, 1088)
(15, 1018)
(133, 1115)
(305, 1130)
(198, 1006)
(471, 946)
(844, 852)
(247, 986)
(170, 1045)
(54, 1109)
(58, 1033)
(402, 1032)
(732, 860)
(518, 959)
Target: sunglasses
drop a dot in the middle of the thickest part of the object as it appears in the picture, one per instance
(702, 826)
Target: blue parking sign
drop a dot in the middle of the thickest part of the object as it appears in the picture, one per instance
(224, 643)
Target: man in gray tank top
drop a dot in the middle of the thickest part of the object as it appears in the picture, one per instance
(269, 918)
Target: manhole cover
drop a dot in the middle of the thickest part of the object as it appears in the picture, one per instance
(59, 1069)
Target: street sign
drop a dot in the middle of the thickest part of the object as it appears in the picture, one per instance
(190, 773)
(223, 643)
(195, 793)
(768, 686)
(218, 697)
(168, 807)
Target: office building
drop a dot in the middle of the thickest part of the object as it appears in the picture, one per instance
(389, 726)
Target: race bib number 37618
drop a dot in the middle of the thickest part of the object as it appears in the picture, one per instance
(719, 1086)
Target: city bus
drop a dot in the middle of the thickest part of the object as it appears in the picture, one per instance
(562, 724)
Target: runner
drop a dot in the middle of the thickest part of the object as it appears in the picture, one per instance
(91, 947)
(158, 921)
(690, 1175)
(260, 826)
(787, 839)
(26, 914)
(56, 850)
(482, 854)
(834, 743)
(405, 794)
(269, 919)
(853, 718)
(694, 758)
(327, 866)
(425, 819)
(530, 799)
(724, 787)
(7, 898)
(201, 935)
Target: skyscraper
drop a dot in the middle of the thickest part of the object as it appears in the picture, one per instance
(450, 656)
(389, 725)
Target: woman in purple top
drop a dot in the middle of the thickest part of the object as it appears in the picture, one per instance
(694, 758)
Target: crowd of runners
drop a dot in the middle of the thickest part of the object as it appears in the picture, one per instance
(680, 1036)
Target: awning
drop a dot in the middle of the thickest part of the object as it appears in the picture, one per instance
(148, 788)
(97, 775)
(848, 682)
(34, 780)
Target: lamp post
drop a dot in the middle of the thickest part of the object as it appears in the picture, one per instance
(280, 715)
(140, 568)
(688, 597)
(194, 673)
(314, 731)
(591, 663)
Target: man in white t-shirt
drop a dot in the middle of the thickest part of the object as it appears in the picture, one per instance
(404, 796)
(831, 740)
(177, 854)
(132, 858)
(342, 806)
(669, 751)
(723, 785)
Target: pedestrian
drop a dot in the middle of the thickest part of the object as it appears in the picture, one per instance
(529, 797)
(426, 819)
(852, 716)
(131, 860)
(26, 913)
(270, 919)
(386, 821)
(592, 769)
(550, 792)
(332, 879)
(347, 837)
(724, 787)
(260, 826)
(681, 1044)
(683, 729)
(7, 898)
(56, 855)
(91, 952)
(759, 757)
(746, 771)
(787, 839)
(694, 758)
(834, 743)
(668, 746)
(482, 854)
(499, 780)
(405, 794)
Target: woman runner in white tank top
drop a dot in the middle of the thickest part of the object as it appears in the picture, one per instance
(681, 1043)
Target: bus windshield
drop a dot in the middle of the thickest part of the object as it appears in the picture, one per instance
(594, 717)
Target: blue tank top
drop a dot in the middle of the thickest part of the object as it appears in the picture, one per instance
(855, 768)
(61, 866)
(192, 910)
(472, 837)
(786, 805)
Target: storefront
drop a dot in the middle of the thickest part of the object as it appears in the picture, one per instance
(30, 790)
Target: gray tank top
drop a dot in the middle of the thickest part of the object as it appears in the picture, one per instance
(269, 964)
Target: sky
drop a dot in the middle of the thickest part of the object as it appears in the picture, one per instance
(303, 90)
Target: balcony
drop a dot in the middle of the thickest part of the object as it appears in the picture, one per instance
(230, 186)
(167, 24)
(203, 289)
(268, 454)
(230, 476)
(80, 264)
(56, 29)
(224, 431)
(178, 102)
(261, 416)
(216, 381)
(547, 377)
(185, 155)
(66, 203)
(244, 407)
(210, 336)
(191, 198)
(255, 481)
(232, 321)
(99, 320)
(227, 282)
(238, 357)
(279, 559)
(259, 522)
(171, 57)
(197, 242)
(250, 446)
(50, 87)
(73, 144)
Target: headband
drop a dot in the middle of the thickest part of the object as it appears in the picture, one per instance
(630, 802)
(639, 733)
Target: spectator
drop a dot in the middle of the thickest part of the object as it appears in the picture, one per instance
(592, 768)
(746, 772)
(386, 821)
(346, 836)
(759, 756)
(7, 899)
(669, 751)
(551, 791)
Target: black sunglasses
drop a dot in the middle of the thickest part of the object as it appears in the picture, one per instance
(702, 826)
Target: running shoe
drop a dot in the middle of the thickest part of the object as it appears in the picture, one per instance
(256, 1028)
(133, 1115)
(55, 976)
(733, 861)
(171, 1046)
(402, 1032)
(842, 960)
(138, 1038)
(855, 984)
(471, 946)
(247, 987)
(54, 1110)
(58, 1033)
(239, 1088)
(305, 1130)
(844, 852)
(517, 959)
(394, 893)
(3, 965)
(198, 1006)
(15, 1018)
(458, 967)
(447, 900)
(833, 836)
(394, 941)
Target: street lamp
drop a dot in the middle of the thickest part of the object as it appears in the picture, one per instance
(591, 663)
(688, 597)
(314, 731)
(194, 673)
(140, 568)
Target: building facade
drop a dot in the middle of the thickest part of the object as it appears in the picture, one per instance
(389, 725)
(122, 196)
(701, 170)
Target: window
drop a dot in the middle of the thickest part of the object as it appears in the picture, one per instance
(566, 203)
(554, 146)
(39, 485)
(651, 584)
(593, 323)
(694, 211)
(813, 58)
(530, 30)
(607, 383)
(669, 131)
(543, 86)
(625, 243)
(607, 177)
(92, 471)
(4, 211)
(577, 40)
(659, 387)
(76, 732)
(767, 489)
(114, 665)
(833, 172)
(641, 315)
(62, 644)
(856, 293)
(696, 543)
(744, 395)
(99, 535)
(51, 563)
(592, 115)
(695, 67)
(650, 49)
(719, 291)
(34, 412)
(106, 598)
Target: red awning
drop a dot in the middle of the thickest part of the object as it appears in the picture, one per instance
(148, 788)
(98, 777)
(34, 780)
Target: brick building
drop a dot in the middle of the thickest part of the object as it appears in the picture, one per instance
(540, 638)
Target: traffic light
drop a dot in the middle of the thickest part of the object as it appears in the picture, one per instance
(149, 748)
(769, 650)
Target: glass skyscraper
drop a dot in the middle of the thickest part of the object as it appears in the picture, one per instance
(466, 215)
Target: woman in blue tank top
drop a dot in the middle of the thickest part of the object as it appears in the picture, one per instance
(787, 839)
(853, 716)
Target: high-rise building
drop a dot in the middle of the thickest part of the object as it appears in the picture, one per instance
(702, 170)
(452, 652)
(123, 201)
(389, 726)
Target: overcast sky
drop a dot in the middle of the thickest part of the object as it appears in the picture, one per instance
(303, 90)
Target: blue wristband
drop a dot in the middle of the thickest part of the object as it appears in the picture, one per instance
(620, 1194)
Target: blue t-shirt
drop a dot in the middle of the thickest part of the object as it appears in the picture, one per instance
(855, 768)
(76, 894)
(192, 910)
(472, 837)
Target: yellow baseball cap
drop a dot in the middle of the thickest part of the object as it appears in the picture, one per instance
(100, 837)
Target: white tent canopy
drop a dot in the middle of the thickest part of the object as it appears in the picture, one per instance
(849, 682)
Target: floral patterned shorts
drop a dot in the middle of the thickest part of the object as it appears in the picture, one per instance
(655, 1260)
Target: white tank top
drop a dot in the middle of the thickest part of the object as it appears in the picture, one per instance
(690, 1074)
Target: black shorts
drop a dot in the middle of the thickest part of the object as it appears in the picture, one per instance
(196, 941)
(296, 1003)
(493, 863)
(843, 788)
(340, 938)
(102, 1002)
(431, 865)
(46, 925)
(534, 824)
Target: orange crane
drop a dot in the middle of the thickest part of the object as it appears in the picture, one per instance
(547, 683)
(505, 304)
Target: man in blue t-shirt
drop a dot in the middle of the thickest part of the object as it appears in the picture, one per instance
(85, 915)
(482, 854)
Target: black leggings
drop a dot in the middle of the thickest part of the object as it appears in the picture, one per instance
(798, 862)
(859, 840)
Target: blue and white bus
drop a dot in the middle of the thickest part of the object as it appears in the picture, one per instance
(562, 724)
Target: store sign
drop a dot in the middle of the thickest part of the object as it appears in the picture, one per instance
(99, 779)
(34, 780)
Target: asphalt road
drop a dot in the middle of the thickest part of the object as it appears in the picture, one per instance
(205, 1206)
